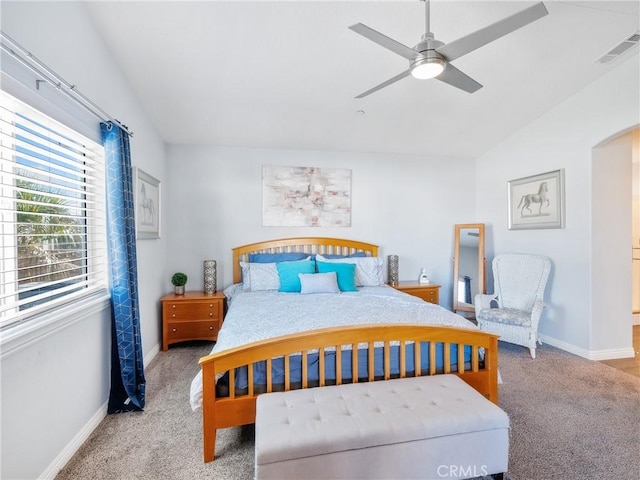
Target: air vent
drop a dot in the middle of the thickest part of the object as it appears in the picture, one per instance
(624, 46)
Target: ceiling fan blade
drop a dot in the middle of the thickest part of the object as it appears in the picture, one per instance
(400, 76)
(384, 41)
(485, 35)
(457, 78)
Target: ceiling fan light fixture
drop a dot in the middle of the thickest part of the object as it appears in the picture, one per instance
(427, 68)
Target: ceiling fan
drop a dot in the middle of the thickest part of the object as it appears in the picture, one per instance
(431, 58)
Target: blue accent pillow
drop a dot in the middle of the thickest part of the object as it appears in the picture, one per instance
(276, 257)
(346, 273)
(353, 255)
(288, 273)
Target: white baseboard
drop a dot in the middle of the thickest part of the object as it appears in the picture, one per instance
(612, 354)
(597, 355)
(151, 355)
(567, 347)
(72, 447)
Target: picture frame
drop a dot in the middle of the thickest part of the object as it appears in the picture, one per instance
(537, 201)
(147, 199)
(306, 196)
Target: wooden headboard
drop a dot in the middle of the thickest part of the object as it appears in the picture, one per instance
(310, 245)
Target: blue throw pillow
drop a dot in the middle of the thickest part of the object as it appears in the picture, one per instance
(276, 257)
(353, 255)
(346, 273)
(288, 273)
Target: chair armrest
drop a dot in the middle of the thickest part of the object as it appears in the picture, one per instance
(482, 301)
(536, 312)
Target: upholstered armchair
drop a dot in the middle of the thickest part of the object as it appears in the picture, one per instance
(514, 309)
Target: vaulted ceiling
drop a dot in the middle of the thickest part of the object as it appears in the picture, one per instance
(285, 74)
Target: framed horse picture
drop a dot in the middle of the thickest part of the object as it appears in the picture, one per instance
(147, 205)
(537, 201)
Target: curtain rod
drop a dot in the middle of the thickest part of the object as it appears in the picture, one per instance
(49, 76)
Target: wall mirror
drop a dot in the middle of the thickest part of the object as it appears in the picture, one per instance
(468, 265)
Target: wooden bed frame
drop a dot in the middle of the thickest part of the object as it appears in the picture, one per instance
(239, 408)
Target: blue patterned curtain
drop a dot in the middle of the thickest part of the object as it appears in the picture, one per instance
(127, 371)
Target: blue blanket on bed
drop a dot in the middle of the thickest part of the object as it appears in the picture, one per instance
(257, 316)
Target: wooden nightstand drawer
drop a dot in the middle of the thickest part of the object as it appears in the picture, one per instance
(430, 295)
(196, 330)
(180, 311)
(192, 316)
(429, 292)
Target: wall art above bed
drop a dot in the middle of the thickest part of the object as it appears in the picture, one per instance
(306, 197)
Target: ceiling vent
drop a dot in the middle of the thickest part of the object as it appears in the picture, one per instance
(624, 46)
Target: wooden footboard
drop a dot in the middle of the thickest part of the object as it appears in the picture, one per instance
(480, 370)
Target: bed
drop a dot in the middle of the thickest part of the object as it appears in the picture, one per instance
(318, 335)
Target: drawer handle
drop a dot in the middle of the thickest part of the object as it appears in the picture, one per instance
(174, 330)
(173, 306)
(211, 314)
(210, 328)
(174, 315)
(211, 305)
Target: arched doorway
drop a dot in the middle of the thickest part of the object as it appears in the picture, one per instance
(615, 230)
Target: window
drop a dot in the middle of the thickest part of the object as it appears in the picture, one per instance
(52, 213)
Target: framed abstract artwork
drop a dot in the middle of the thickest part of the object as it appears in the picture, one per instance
(306, 197)
(147, 198)
(537, 201)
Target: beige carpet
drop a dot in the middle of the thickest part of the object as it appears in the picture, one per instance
(570, 419)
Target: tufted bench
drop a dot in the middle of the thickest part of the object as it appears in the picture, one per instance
(423, 427)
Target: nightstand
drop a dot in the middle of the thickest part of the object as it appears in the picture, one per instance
(429, 292)
(192, 316)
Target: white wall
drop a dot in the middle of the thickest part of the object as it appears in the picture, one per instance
(407, 205)
(564, 138)
(611, 232)
(54, 389)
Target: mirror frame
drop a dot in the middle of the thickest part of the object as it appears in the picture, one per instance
(461, 306)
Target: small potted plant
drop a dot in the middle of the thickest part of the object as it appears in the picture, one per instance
(179, 280)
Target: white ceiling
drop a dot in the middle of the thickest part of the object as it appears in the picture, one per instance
(285, 74)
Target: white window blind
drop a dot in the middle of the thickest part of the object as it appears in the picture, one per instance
(52, 209)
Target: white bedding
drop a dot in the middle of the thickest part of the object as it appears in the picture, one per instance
(255, 316)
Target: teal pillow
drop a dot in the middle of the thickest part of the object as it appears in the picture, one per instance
(346, 273)
(288, 273)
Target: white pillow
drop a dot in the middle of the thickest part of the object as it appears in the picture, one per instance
(259, 276)
(319, 282)
(369, 270)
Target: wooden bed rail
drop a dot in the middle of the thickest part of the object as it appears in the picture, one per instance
(239, 408)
